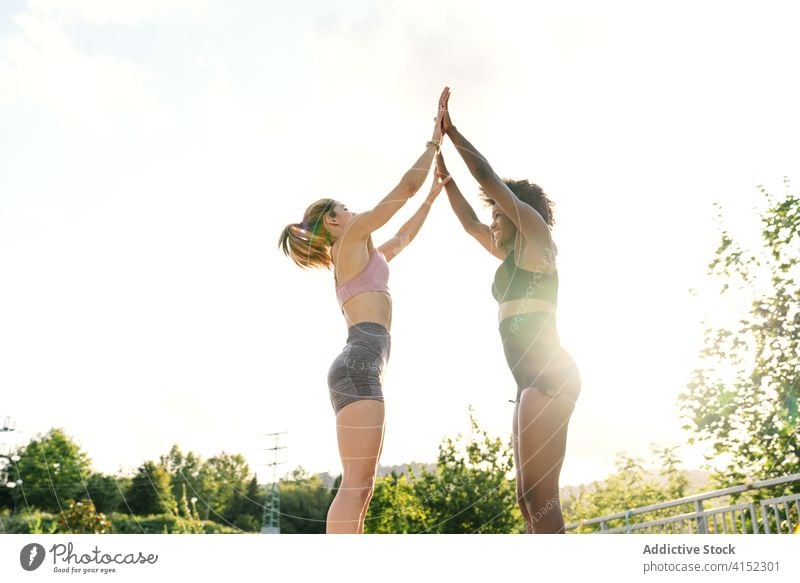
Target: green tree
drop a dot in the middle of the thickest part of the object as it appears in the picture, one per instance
(150, 491)
(469, 490)
(245, 509)
(677, 485)
(219, 484)
(106, 492)
(222, 476)
(395, 506)
(742, 400)
(631, 486)
(186, 472)
(184, 511)
(8, 473)
(304, 503)
(54, 469)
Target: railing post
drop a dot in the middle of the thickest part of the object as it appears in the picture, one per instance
(765, 517)
(754, 518)
(702, 519)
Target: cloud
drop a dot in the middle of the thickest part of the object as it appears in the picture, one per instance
(41, 68)
(113, 12)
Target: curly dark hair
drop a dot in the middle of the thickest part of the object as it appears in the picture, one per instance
(529, 193)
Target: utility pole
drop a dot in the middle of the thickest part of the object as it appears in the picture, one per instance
(271, 518)
(8, 424)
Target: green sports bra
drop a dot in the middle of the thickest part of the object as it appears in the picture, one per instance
(511, 282)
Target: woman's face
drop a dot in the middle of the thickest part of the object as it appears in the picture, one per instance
(342, 214)
(503, 230)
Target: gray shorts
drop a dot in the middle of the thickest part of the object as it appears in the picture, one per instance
(357, 373)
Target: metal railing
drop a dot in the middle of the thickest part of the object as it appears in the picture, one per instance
(776, 516)
(774, 519)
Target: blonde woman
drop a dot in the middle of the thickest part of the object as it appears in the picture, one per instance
(331, 236)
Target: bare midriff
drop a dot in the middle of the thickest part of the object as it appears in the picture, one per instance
(369, 307)
(524, 306)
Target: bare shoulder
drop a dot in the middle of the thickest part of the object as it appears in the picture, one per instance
(538, 256)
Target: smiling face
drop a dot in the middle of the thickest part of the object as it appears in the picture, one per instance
(503, 230)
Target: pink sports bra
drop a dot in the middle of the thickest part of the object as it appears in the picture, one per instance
(374, 277)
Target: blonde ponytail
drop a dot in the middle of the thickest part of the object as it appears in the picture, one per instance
(308, 244)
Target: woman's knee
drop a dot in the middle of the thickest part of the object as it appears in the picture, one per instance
(540, 503)
(358, 495)
(537, 491)
(359, 481)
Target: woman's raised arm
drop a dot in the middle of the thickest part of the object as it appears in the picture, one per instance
(527, 220)
(367, 222)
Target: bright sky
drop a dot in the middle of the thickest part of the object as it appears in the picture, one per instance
(151, 152)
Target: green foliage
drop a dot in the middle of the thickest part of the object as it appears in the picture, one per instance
(304, 503)
(165, 524)
(223, 476)
(150, 492)
(468, 491)
(117, 523)
(219, 484)
(54, 470)
(395, 506)
(183, 504)
(742, 401)
(677, 479)
(6, 494)
(169, 496)
(28, 523)
(245, 509)
(630, 487)
(187, 472)
(82, 518)
(106, 492)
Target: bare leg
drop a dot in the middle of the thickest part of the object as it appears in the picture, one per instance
(359, 430)
(520, 499)
(542, 426)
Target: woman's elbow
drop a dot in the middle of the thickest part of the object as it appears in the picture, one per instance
(471, 227)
